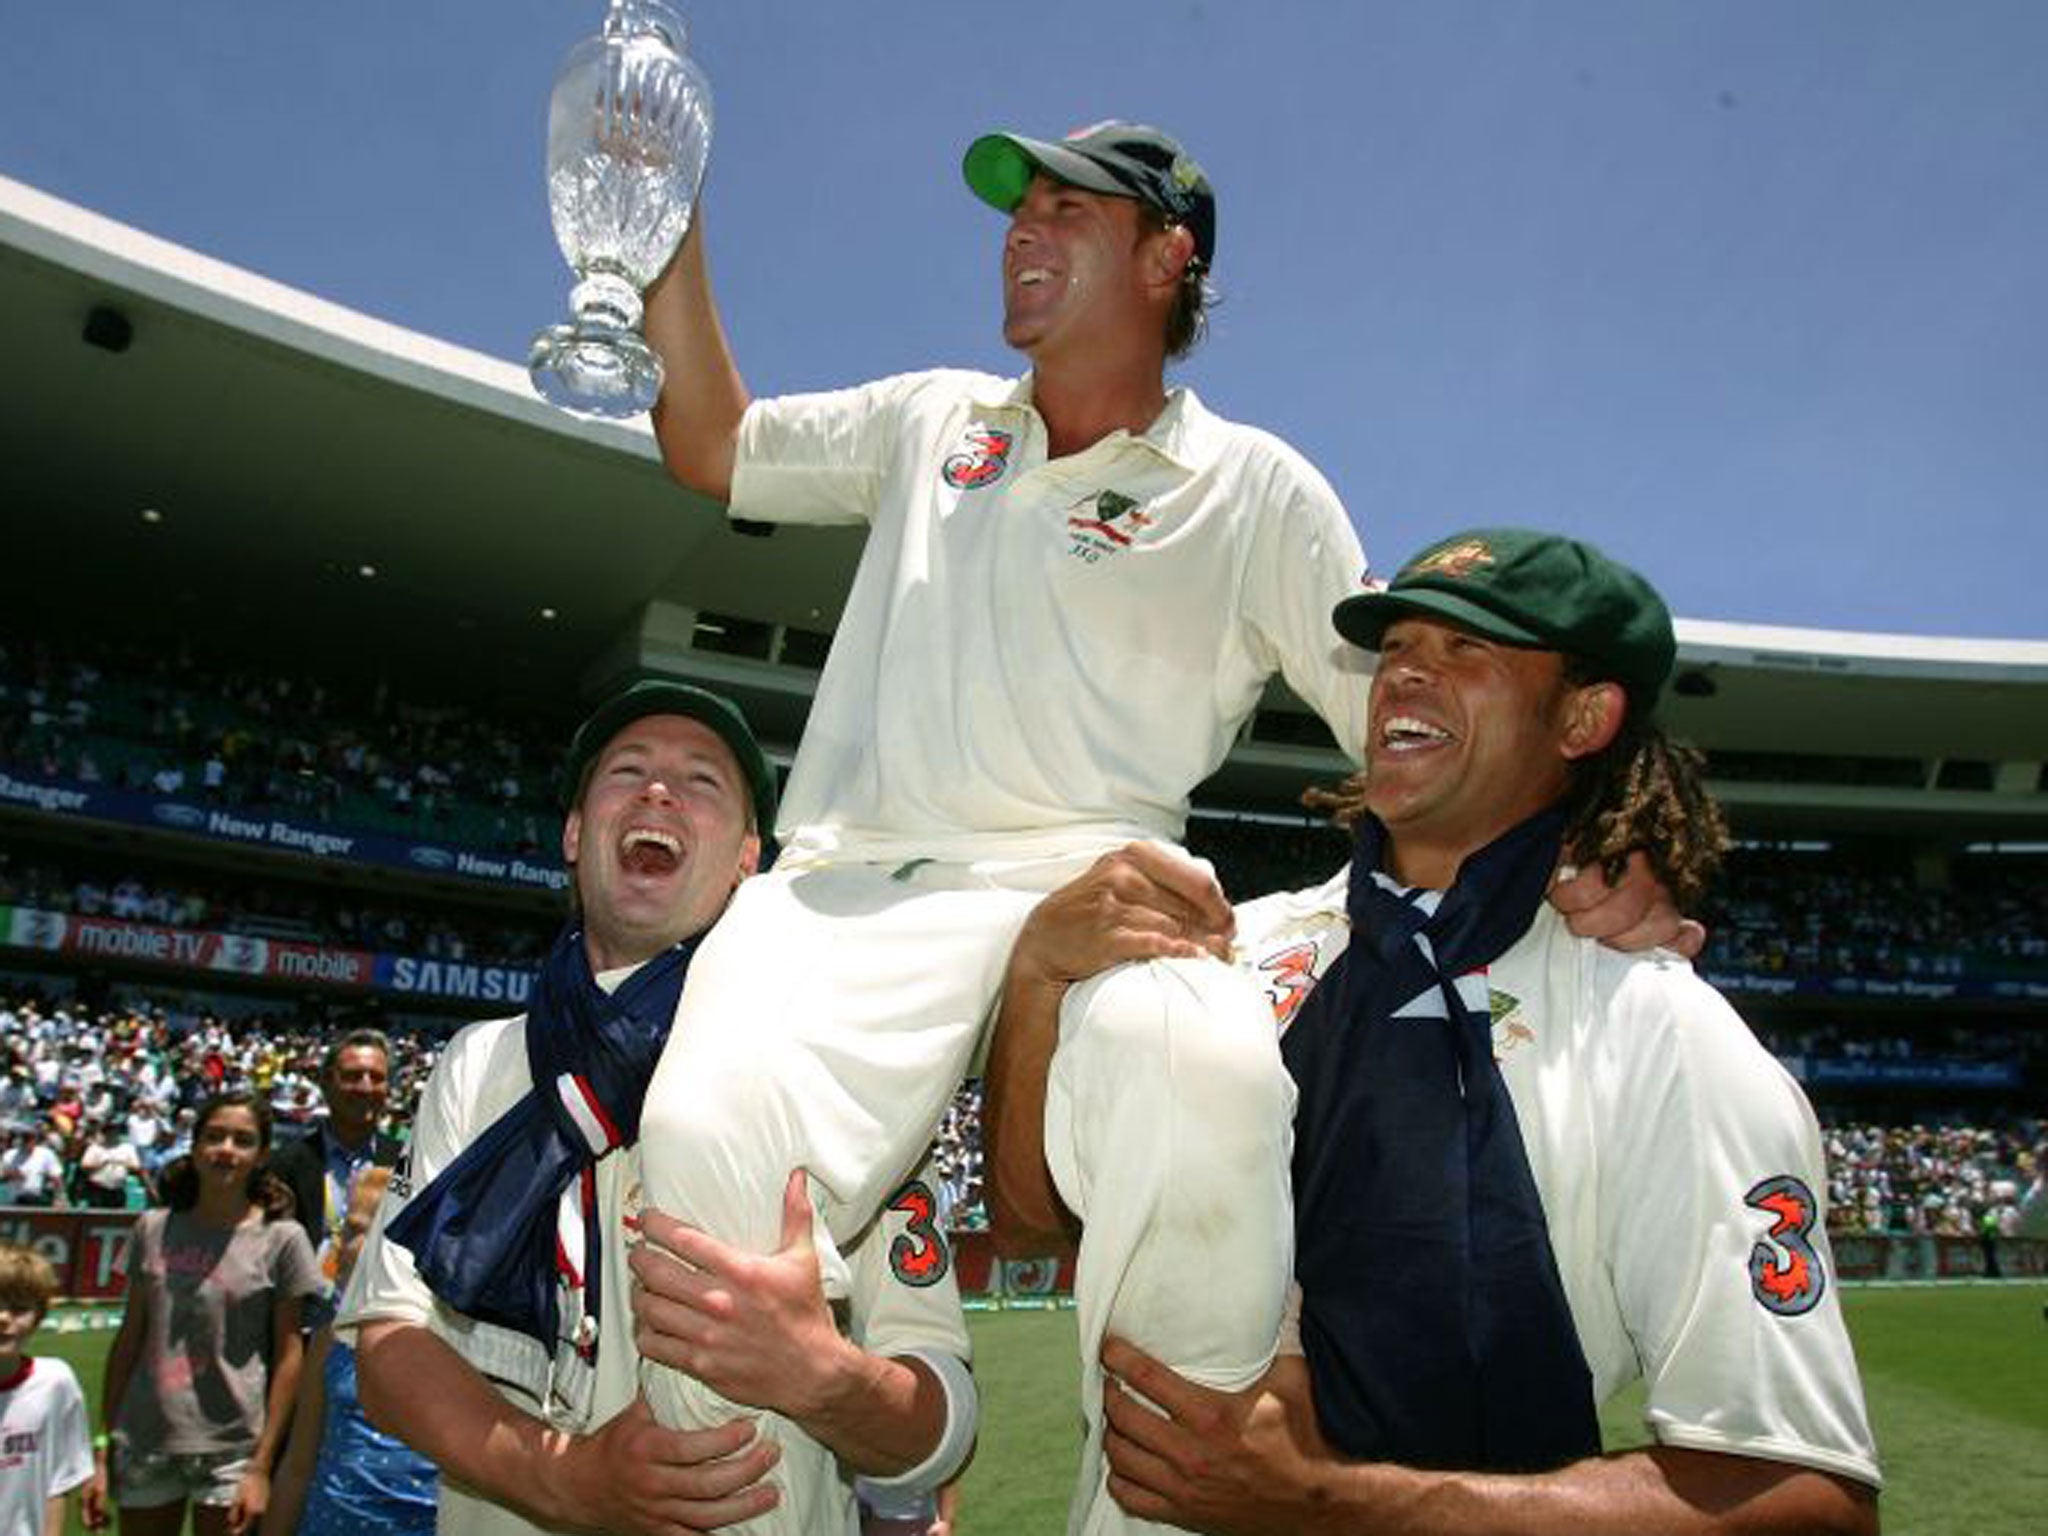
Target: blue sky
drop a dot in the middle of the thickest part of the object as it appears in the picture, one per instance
(1749, 291)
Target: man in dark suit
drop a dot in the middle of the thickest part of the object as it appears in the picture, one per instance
(355, 1080)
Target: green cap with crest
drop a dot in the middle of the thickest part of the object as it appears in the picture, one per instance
(1527, 588)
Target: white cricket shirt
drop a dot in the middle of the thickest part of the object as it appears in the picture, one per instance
(1681, 1175)
(1043, 657)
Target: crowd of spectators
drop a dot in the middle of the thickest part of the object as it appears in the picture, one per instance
(159, 718)
(267, 909)
(163, 719)
(1939, 1181)
(75, 1078)
(1773, 912)
(1834, 913)
(1930, 1041)
(108, 1087)
(1771, 916)
(957, 1153)
(93, 1101)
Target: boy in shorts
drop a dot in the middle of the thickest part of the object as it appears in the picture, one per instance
(45, 1445)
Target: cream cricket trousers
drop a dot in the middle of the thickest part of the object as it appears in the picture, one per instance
(1168, 1129)
(826, 1021)
(825, 1024)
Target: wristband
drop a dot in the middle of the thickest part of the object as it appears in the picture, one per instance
(101, 1441)
(956, 1440)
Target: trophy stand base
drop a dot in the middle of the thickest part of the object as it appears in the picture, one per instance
(595, 370)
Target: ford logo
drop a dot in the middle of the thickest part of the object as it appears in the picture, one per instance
(432, 858)
(188, 816)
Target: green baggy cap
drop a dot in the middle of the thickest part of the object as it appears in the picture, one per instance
(1527, 588)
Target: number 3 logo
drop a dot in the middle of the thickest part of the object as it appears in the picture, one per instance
(1786, 1279)
(918, 1254)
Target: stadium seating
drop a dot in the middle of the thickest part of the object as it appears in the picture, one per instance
(1929, 1130)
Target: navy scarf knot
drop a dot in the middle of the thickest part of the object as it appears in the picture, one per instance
(1435, 1323)
(484, 1233)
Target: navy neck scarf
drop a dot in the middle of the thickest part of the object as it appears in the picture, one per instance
(483, 1234)
(1435, 1324)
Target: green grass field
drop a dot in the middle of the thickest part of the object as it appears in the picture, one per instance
(1957, 1378)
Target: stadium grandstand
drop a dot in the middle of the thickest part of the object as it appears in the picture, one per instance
(299, 606)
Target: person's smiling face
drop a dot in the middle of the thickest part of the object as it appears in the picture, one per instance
(1469, 736)
(1073, 266)
(356, 1090)
(659, 839)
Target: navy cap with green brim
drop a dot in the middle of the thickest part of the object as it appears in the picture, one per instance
(1533, 589)
(1115, 159)
(663, 696)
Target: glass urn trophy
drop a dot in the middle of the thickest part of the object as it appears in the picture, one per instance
(629, 130)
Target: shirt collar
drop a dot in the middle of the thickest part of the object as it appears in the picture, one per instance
(610, 981)
(993, 394)
(1178, 433)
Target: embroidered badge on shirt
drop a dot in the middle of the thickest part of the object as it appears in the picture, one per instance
(980, 461)
(1104, 524)
(1510, 1029)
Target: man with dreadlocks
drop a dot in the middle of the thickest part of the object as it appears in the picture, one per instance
(1527, 1169)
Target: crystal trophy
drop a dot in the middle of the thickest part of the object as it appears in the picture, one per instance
(629, 130)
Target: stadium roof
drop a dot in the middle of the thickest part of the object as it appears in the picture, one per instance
(204, 453)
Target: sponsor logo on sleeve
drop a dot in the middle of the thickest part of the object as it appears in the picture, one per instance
(1785, 1271)
(918, 1255)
